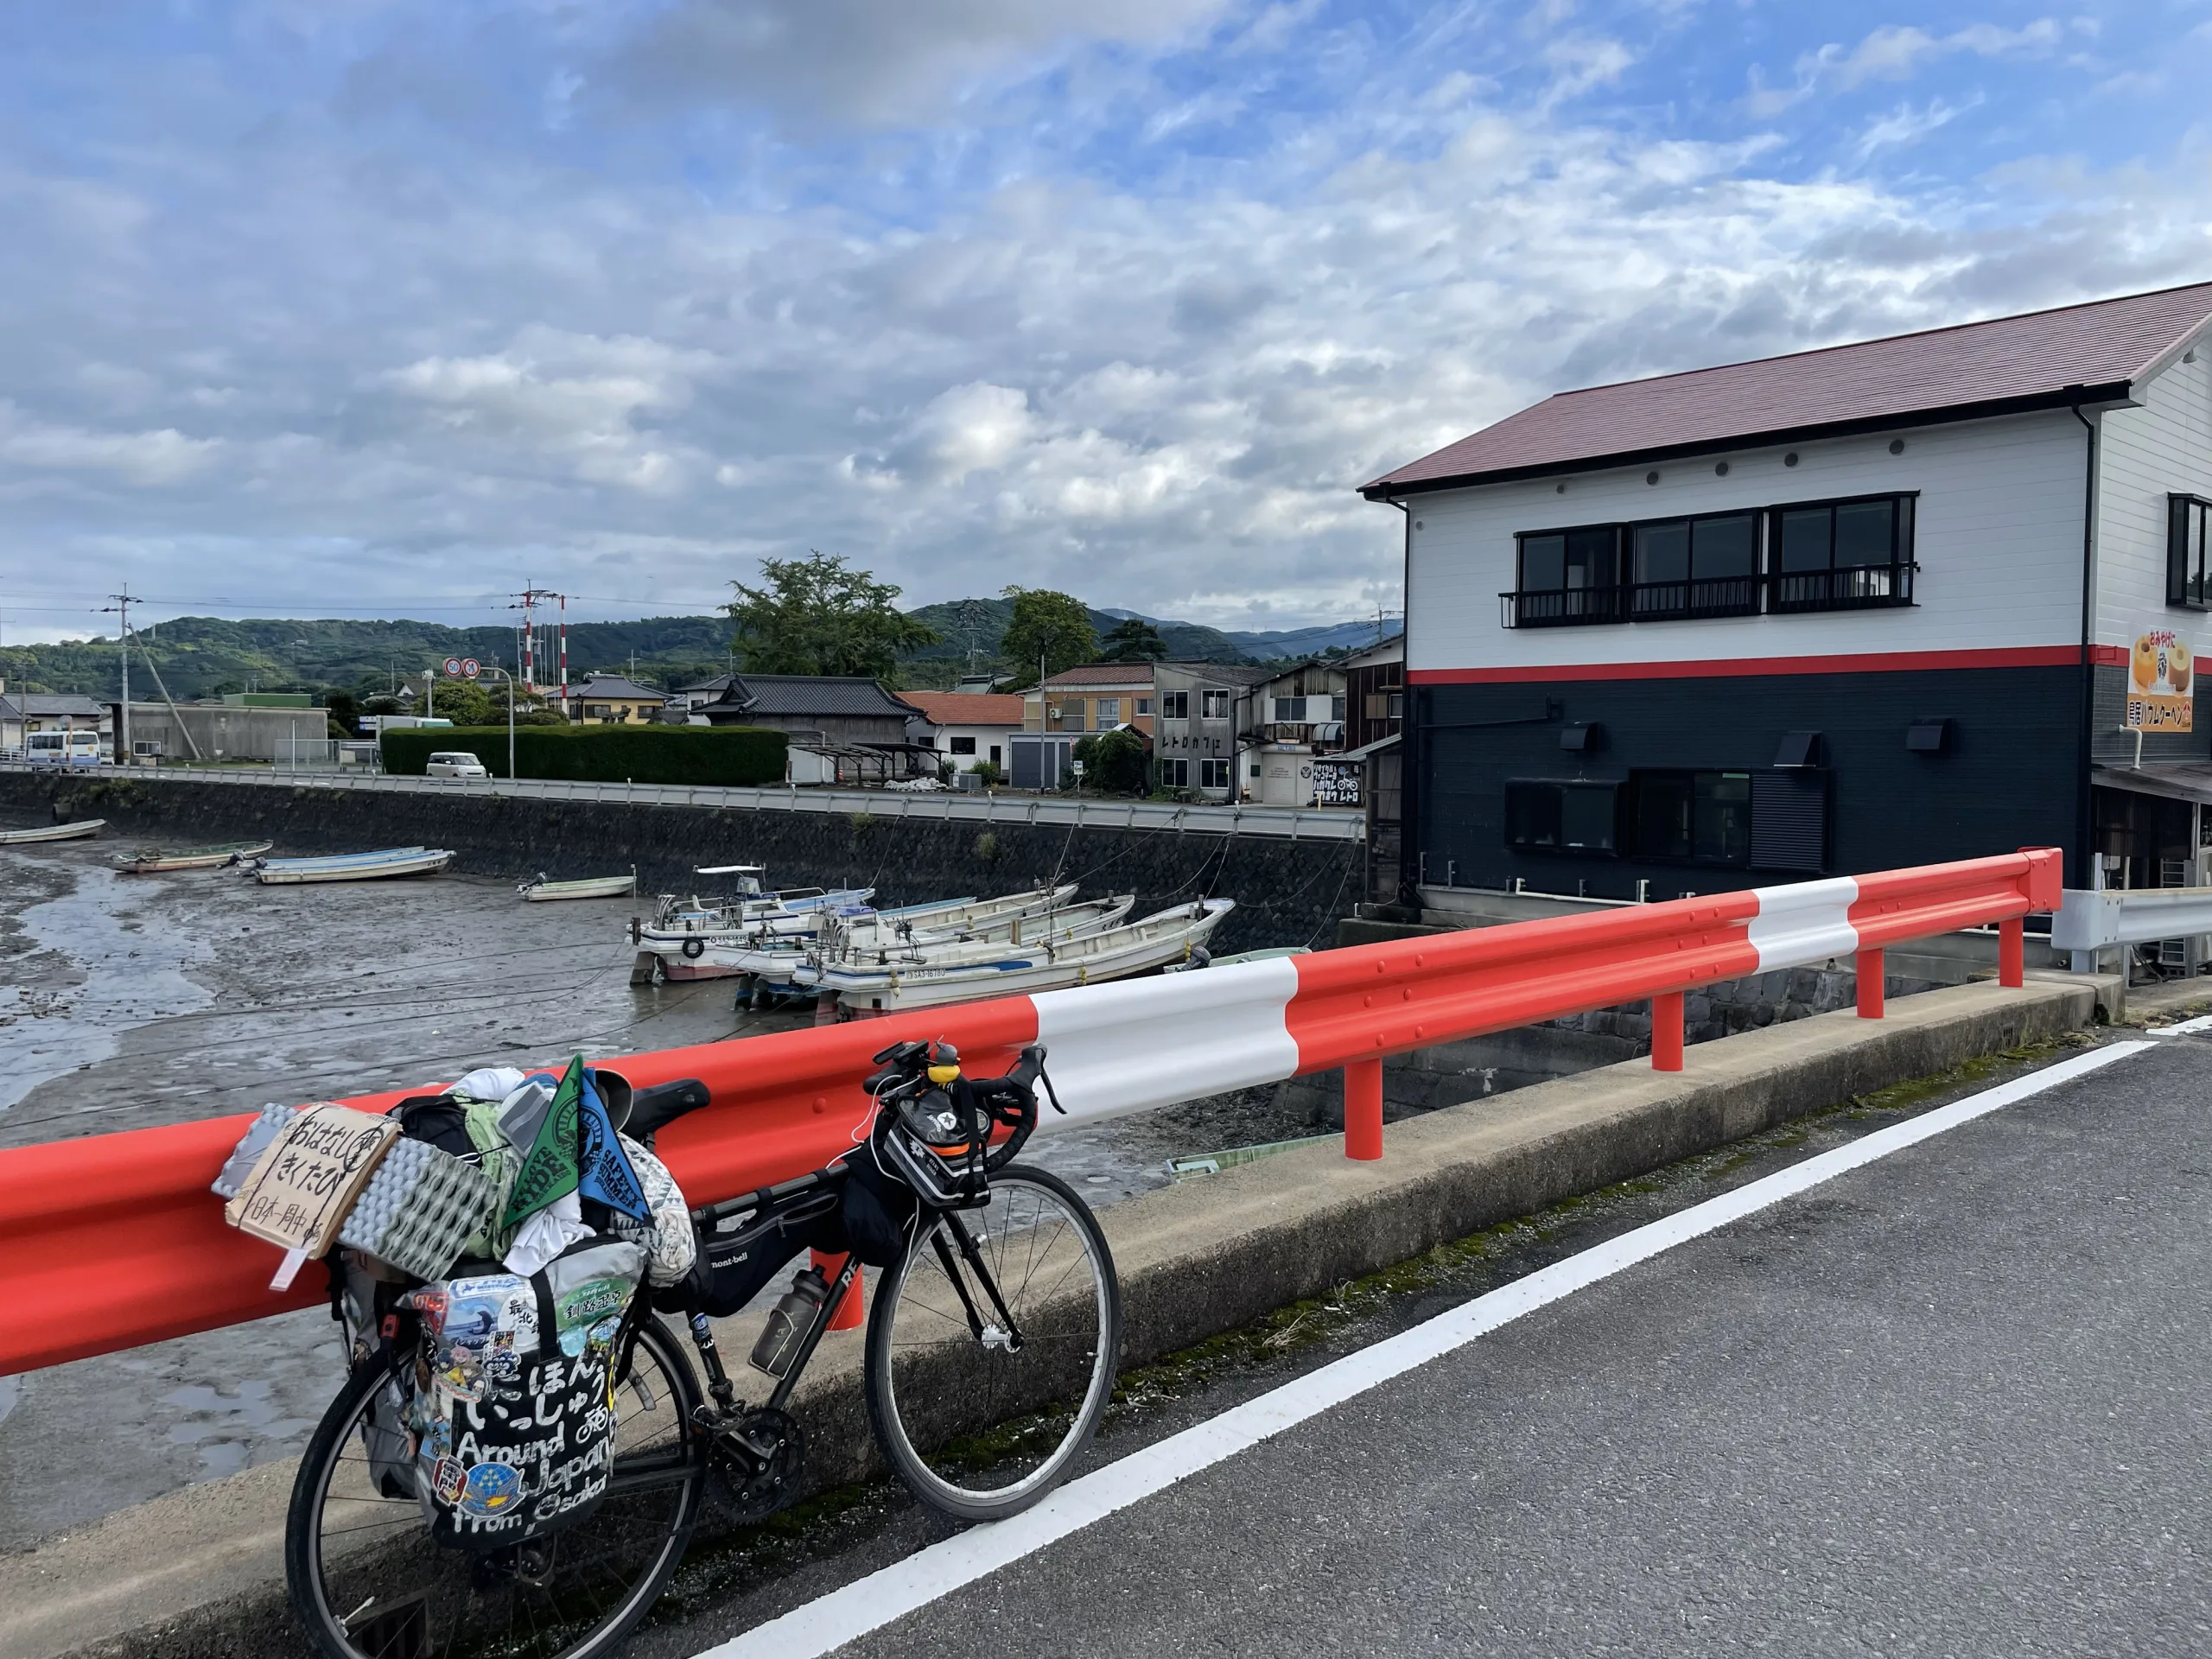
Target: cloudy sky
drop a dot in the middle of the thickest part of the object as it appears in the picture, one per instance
(337, 307)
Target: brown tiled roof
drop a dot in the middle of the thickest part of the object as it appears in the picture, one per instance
(967, 707)
(1104, 674)
(2041, 360)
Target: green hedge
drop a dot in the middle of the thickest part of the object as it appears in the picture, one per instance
(605, 754)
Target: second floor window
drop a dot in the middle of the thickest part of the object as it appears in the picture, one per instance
(2187, 581)
(1813, 555)
(1174, 705)
(1213, 705)
(1110, 711)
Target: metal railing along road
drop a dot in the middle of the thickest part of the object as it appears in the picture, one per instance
(2089, 922)
(1293, 824)
(114, 1240)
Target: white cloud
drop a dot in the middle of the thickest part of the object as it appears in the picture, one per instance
(166, 456)
(1896, 52)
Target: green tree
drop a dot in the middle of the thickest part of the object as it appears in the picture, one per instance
(818, 615)
(1114, 763)
(1052, 626)
(1133, 639)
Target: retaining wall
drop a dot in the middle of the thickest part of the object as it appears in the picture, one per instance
(1287, 891)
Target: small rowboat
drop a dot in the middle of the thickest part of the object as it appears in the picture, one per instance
(542, 890)
(190, 858)
(351, 867)
(76, 831)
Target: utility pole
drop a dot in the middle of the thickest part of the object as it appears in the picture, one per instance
(121, 609)
(526, 601)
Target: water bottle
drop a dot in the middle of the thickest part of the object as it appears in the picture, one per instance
(789, 1320)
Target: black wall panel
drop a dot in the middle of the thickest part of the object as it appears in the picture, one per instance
(2010, 778)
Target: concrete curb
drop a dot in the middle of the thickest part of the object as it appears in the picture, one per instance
(1195, 1261)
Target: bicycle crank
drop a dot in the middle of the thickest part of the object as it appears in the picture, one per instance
(757, 1455)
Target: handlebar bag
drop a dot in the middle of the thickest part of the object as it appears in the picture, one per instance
(512, 1402)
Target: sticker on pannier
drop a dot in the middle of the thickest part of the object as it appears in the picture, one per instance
(512, 1403)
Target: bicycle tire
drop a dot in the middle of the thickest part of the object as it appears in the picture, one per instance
(978, 1430)
(385, 1564)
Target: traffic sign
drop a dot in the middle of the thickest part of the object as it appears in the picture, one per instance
(453, 668)
(470, 668)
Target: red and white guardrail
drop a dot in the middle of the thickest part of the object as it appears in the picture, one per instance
(114, 1240)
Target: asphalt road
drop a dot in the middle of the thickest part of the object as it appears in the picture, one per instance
(1952, 1403)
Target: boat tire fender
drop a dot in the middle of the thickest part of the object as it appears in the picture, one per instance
(695, 948)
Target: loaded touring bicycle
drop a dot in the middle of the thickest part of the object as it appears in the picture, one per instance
(482, 1486)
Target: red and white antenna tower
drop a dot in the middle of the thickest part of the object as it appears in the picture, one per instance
(525, 601)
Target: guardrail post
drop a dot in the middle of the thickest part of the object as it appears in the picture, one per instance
(1870, 985)
(2012, 952)
(1363, 1110)
(1667, 1032)
(849, 1314)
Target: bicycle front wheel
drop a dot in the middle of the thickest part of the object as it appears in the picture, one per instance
(991, 1347)
(367, 1581)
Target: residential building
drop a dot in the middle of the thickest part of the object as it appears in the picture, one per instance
(968, 729)
(218, 730)
(697, 695)
(22, 713)
(612, 700)
(1298, 717)
(833, 709)
(1203, 726)
(1095, 697)
(1374, 692)
(1883, 604)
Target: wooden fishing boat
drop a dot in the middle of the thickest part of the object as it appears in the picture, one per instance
(149, 859)
(1118, 953)
(77, 831)
(351, 866)
(542, 890)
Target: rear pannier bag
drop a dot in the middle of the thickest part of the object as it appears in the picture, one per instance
(513, 1394)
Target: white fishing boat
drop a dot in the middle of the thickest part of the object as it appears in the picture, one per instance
(147, 859)
(77, 831)
(852, 935)
(860, 970)
(543, 891)
(351, 866)
(1118, 953)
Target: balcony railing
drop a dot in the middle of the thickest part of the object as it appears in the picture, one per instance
(1854, 587)
(1563, 607)
(1849, 587)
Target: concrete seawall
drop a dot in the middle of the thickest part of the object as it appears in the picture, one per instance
(1287, 891)
(199, 1571)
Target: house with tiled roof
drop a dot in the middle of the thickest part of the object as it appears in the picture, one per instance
(1887, 603)
(1091, 697)
(968, 729)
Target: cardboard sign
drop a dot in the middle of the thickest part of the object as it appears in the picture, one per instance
(2161, 669)
(304, 1185)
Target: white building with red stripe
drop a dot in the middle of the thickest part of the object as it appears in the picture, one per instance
(1834, 612)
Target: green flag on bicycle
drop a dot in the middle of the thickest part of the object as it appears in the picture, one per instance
(550, 1168)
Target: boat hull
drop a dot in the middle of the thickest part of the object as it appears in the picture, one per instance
(360, 867)
(1097, 960)
(604, 887)
(197, 858)
(77, 831)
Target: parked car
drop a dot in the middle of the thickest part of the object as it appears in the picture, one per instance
(454, 764)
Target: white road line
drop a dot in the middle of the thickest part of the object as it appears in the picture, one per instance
(870, 1602)
(2202, 1022)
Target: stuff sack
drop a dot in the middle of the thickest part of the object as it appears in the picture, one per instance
(513, 1406)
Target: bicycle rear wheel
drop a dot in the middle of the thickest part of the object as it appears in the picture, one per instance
(991, 1347)
(368, 1582)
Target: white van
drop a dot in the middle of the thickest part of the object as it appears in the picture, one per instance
(454, 764)
(81, 748)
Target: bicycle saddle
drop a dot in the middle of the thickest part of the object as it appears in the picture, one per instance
(661, 1104)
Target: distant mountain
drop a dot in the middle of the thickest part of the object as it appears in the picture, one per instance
(206, 656)
(1312, 642)
(981, 623)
